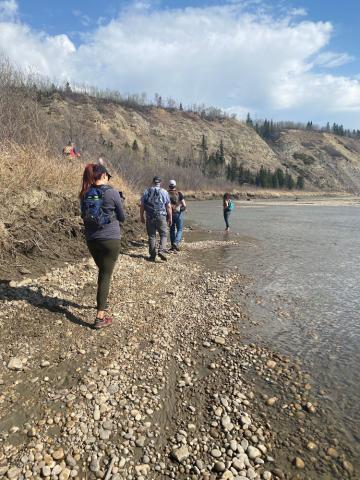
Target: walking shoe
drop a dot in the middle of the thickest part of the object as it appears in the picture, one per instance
(151, 259)
(162, 256)
(176, 247)
(102, 322)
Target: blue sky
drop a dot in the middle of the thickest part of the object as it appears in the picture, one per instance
(295, 60)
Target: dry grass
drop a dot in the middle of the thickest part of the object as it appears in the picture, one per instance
(28, 169)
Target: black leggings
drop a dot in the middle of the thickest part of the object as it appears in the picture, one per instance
(105, 254)
(226, 217)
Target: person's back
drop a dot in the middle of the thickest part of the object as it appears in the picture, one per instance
(155, 203)
(178, 206)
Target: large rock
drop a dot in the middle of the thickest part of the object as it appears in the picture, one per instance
(15, 363)
(180, 454)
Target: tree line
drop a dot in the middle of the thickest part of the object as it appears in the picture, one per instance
(270, 130)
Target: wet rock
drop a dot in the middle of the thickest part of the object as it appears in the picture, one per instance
(332, 452)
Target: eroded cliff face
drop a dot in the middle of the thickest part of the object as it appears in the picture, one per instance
(327, 162)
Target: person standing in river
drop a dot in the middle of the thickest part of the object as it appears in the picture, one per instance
(102, 212)
(228, 206)
(155, 203)
(178, 207)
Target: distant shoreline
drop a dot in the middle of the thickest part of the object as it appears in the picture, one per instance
(264, 194)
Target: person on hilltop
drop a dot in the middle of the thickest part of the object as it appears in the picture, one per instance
(178, 207)
(102, 212)
(228, 207)
(70, 151)
(155, 204)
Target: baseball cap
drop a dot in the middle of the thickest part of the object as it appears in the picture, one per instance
(157, 179)
(172, 183)
(100, 169)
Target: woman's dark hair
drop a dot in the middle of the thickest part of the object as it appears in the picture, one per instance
(92, 174)
(226, 196)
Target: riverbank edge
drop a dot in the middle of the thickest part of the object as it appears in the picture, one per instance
(263, 194)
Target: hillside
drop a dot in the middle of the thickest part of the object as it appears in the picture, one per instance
(174, 138)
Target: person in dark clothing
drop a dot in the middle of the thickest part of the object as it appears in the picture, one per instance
(227, 207)
(103, 241)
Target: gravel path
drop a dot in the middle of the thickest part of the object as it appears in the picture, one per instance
(169, 391)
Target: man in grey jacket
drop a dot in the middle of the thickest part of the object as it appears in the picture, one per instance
(155, 203)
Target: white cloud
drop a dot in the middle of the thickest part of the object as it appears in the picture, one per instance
(332, 59)
(8, 9)
(224, 56)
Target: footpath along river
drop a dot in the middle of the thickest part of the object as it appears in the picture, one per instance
(304, 262)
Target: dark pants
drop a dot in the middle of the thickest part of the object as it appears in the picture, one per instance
(105, 254)
(153, 225)
(226, 217)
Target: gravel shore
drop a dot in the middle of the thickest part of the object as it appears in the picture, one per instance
(169, 391)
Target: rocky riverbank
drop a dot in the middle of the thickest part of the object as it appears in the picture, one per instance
(169, 391)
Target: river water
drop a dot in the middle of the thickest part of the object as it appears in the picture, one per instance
(304, 260)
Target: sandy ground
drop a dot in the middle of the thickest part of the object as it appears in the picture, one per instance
(169, 391)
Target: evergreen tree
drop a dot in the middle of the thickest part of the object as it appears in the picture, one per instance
(281, 177)
(221, 153)
(300, 183)
(249, 121)
(135, 146)
(232, 170)
(181, 107)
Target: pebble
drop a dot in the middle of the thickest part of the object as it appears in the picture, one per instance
(253, 452)
(15, 363)
(180, 454)
(271, 401)
(215, 452)
(13, 473)
(299, 463)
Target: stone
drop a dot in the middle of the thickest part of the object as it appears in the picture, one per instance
(271, 401)
(267, 475)
(299, 463)
(58, 454)
(180, 454)
(44, 363)
(253, 452)
(332, 452)
(227, 475)
(219, 340)
(348, 466)
(215, 452)
(65, 474)
(15, 363)
(46, 471)
(13, 473)
(238, 464)
(271, 364)
(219, 467)
(140, 441)
(311, 446)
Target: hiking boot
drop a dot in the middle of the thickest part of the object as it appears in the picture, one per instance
(163, 256)
(151, 259)
(176, 248)
(102, 322)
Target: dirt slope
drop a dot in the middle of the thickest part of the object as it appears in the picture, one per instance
(165, 136)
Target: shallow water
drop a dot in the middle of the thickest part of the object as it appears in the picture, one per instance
(305, 262)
